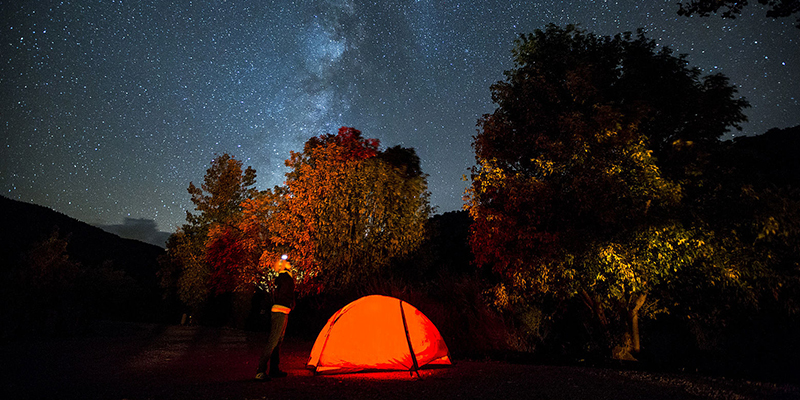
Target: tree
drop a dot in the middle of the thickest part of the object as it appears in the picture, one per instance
(268, 231)
(42, 293)
(224, 187)
(346, 211)
(231, 267)
(202, 254)
(50, 269)
(184, 269)
(732, 8)
(754, 197)
(581, 170)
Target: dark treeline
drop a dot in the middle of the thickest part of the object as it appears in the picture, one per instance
(59, 273)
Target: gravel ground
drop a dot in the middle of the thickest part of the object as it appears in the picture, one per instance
(139, 361)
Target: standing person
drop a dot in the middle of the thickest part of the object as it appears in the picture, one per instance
(283, 303)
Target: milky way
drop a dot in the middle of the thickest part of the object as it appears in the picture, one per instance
(109, 108)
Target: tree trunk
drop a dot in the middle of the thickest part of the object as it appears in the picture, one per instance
(634, 320)
(595, 306)
(631, 344)
(597, 309)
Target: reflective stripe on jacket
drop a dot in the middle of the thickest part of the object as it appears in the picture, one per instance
(281, 309)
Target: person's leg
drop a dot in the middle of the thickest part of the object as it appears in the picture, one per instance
(278, 326)
(275, 359)
(274, 363)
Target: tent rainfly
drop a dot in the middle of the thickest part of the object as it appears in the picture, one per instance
(377, 333)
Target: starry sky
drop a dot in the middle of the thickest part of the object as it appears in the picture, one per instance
(109, 109)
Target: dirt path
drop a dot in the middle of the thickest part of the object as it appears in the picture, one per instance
(128, 361)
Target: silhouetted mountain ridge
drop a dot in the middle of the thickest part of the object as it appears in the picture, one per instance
(27, 224)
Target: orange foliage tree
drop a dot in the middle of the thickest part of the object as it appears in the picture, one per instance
(230, 266)
(346, 211)
(203, 256)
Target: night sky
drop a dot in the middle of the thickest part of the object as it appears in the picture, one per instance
(110, 108)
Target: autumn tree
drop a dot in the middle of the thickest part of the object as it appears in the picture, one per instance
(267, 232)
(580, 173)
(733, 8)
(224, 187)
(203, 255)
(50, 284)
(347, 209)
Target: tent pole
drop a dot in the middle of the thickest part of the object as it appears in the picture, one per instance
(327, 335)
(408, 340)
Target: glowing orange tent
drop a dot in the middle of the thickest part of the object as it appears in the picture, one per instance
(377, 333)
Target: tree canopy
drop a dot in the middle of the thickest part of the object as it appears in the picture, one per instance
(203, 256)
(346, 211)
(224, 187)
(732, 8)
(581, 170)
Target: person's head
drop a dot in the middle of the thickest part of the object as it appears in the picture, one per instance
(282, 264)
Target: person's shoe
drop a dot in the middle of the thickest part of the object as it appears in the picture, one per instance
(262, 377)
(278, 374)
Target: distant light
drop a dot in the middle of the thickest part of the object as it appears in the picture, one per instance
(284, 257)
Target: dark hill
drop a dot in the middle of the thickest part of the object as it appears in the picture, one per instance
(105, 276)
(26, 224)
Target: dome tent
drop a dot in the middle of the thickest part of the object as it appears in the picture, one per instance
(377, 333)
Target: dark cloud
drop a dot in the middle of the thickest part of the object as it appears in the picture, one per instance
(144, 230)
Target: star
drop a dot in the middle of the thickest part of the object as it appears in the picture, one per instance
(110, 109)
